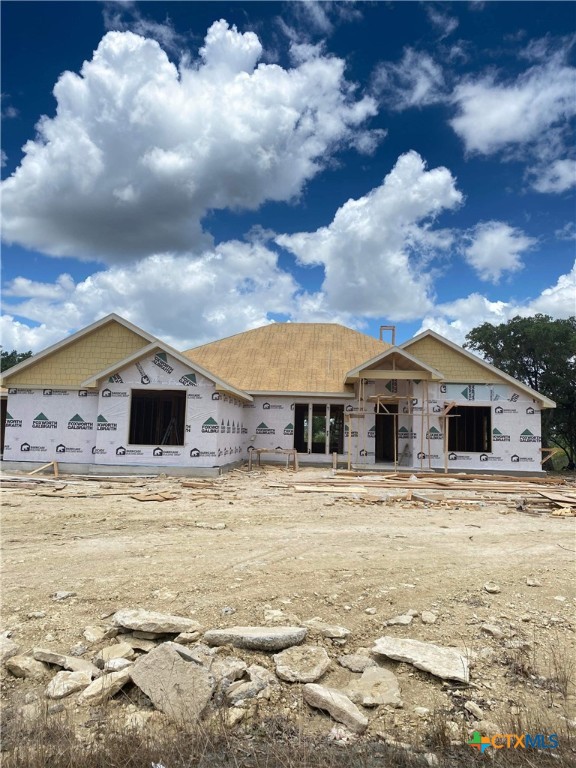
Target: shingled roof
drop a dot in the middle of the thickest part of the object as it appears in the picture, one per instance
(289, 357)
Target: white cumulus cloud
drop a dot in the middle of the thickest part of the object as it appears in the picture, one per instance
(494, 247)
(495, 115)
(140, 151)
(372, 250)
(457, 318)
(184, 301)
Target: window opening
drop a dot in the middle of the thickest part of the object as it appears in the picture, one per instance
(470, 430)
(157, 417)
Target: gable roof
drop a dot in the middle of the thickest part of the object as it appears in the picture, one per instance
(460, 366)
(311, 358)
(406, 362)
(68, 362)
(221, 385)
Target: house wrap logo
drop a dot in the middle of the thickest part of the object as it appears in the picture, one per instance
(102, 425)
(50, 392)
(262, 429)
(405, 434)
(77, 422)
(458, 457)
(161, 360)
(268, 406)
(469, 392)
(63, 449)
(189, 380)
(498, 437)
(43, 422)
(528, 437)
(392, 386)
(121, 451)
(108, 393)
(422, 455)
(144, 378)
(516, 459)
(486, 457)
(10, 422)
(215, 395)
(288, 429)
(210, 425)
(434, 434)
(371, 432)
(115, 379)
(196, 453)
(500, 410)
(347, 432)
(26, 447)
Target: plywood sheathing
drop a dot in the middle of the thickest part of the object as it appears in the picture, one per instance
(289, 357)
(71, 364)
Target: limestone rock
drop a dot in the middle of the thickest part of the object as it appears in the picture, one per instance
(63, 595)
(26, 666)
(117, 651)
(94, 634)
(156, 623)
(8, 648)
(257, 638)
(104, 687)
(402, 620)
(356, 662)
(302, 663)
(491, 587)
(115, 665)
(65, 683)
(428, 617)
(227, 670)
(181, 689)
(140, 644)
(492, 629)
(49, 657)
(376, 686)
(258, 686)
(474, 709)
(327, 630)
(71, 663)
(446, 663)
(336, 704)
(186, 637)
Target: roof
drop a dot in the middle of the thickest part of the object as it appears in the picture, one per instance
(221, 385)
(429, 346)
(70, 361)
(289, 357)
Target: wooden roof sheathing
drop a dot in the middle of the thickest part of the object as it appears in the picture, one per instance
(289, 357)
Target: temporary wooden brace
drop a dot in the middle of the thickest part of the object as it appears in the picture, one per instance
(53, 464)
(551, 452)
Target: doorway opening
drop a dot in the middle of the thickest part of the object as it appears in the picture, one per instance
(386, 448)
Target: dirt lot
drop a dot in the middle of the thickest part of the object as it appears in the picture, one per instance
(328, 554)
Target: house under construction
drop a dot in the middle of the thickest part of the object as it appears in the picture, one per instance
(114, 396)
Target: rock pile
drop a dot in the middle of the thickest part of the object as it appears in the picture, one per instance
(186, 672)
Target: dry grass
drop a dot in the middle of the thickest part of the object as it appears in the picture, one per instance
(50, 741)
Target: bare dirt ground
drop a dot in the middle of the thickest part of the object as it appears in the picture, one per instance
(324, 554)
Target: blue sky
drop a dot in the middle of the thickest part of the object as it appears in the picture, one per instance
(203, 168)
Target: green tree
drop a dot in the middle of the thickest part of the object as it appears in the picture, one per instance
(8, 359)
(540, 352)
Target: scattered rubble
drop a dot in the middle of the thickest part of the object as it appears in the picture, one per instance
(257, 638)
